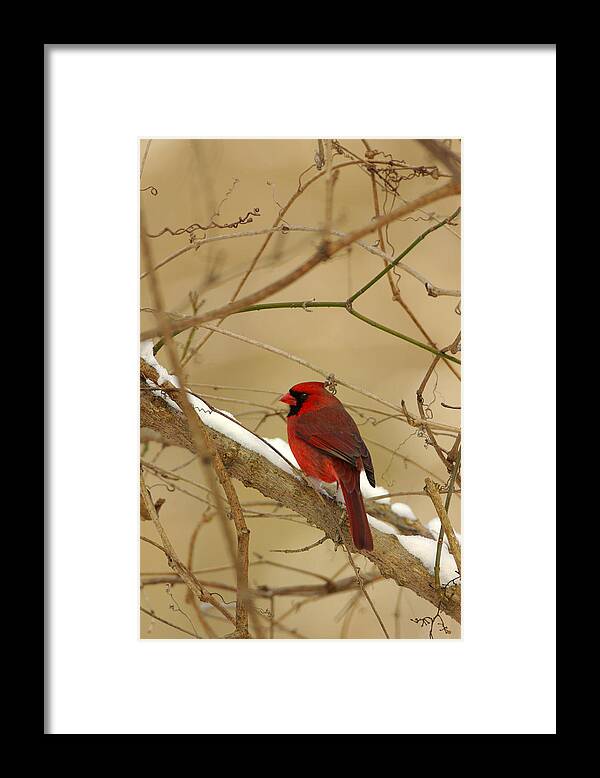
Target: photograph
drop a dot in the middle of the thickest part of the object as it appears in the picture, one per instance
(300, 388)
(265, 267)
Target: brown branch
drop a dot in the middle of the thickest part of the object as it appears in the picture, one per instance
(196, 244)
(168, 623)
(401, 412)
(189, 597)
(366, 595)
(209, 460)
(426, 423)
(174, 562)
(293, 590)
(329, 184)
(394, 285)
(438, 552)
(431, 289)
(323, 253)
(253, 470)
(434, 492)
(444, 154)
(398, 297)
(145, 157)
(378, 509)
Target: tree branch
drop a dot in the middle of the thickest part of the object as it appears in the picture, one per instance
(174, 561)
(253, 470)
(400, 410)
(452, 188)
(207, 454)
(433, 491)
(401, 256)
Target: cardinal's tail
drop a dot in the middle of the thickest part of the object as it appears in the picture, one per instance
(355, 508)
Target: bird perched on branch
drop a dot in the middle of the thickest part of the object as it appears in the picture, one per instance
(327, 445)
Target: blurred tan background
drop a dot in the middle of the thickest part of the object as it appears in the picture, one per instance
(192, 177)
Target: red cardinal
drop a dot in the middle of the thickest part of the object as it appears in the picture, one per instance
(328, 446)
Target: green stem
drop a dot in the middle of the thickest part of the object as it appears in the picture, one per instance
(307, 304)
(407, 338)
(393, 264)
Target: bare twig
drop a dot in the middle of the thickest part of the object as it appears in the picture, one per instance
(174, 560)
(444, 154)
(438, 554)
(433, 491)
(207, 456)
(432, 289)
(366, 594)
(401, 256)
(298, 550)
(425, 421)
(181, 325)
(145, 157)
(168, 623)
(326, 373)
(391, 558)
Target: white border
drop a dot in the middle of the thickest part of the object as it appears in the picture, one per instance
(496, 680)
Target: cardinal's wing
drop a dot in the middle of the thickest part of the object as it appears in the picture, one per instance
(333, 431)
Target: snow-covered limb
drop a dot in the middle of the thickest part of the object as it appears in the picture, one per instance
(434, 527)
(220, 421)
(269, 448)
(255, 470)
(423, 549)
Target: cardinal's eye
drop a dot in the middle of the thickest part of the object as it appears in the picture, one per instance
(304, 396)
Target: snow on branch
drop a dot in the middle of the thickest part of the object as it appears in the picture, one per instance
(404, 549)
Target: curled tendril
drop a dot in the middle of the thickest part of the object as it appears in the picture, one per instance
(234, 183)
(278, 204)
(300, 177)
(220, 596)
(153, 190)
(192, 228)
(395, 170)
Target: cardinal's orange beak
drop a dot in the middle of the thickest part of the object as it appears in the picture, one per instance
(288, 399)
